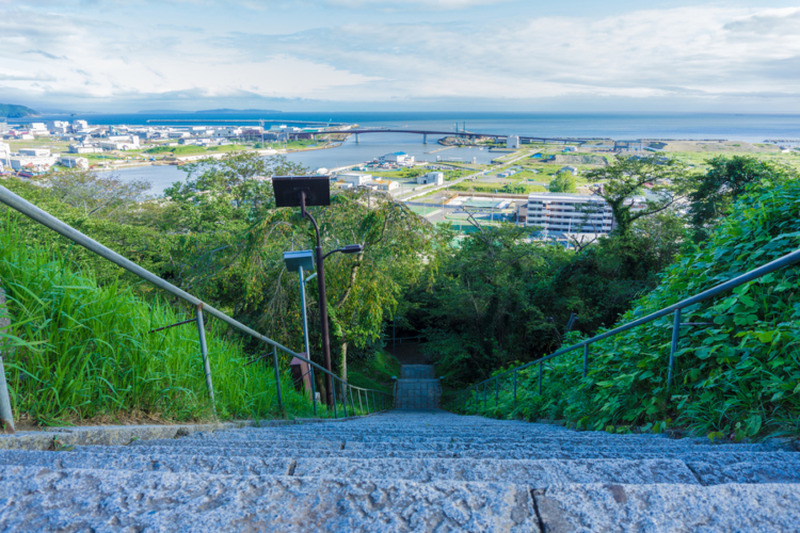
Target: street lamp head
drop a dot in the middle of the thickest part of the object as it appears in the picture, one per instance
(352, 249)
(297, 259)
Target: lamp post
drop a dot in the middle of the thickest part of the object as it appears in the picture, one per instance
(300, 262)
(303, 191)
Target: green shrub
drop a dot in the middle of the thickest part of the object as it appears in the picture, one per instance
(83, 351)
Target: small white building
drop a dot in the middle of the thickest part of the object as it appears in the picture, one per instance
(385, 185)
(60, 127)
(71, 161)
(569, 168)
(355, 179)
(431, 177)
(84, 149)
(39, 128)
(400, 158)
(33, 160)
(512, 142)
(34, 152)
(5, 155)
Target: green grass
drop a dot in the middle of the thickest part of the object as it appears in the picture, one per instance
(375, 373)
(83, 351)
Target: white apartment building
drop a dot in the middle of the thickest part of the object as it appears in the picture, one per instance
(573, 213)
(569, 213)
(512, 142)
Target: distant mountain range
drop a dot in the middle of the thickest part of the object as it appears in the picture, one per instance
(16, 111)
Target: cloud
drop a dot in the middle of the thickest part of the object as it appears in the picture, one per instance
(427, 4)
(690, 52)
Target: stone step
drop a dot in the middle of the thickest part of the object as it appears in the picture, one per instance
(417, 372)
(537, 473)
(711, 457)
(41, 499)
(410, 438)
(626, 507)
(490, 448)
(106, 458)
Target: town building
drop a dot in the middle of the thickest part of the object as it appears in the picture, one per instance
(33, 160)
(400, 158)
(71, 161)
(512, 142)
(5, 155)
(572, 213)
(385, 185)
(431, 178)
(355, 179)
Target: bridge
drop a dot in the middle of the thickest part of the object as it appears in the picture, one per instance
(468, 134)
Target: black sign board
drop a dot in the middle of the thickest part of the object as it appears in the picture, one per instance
(288, 188)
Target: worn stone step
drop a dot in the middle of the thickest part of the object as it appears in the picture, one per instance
(417, 372)
(411, 439)
(657, 508)
(537, 473)
(40, 499)
(106, 458)
(467, 448)
(711, 457)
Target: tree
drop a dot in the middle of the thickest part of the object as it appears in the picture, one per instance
(233, 189)
(96, 195)
(627, 177)
(563, 182)
(725, 180)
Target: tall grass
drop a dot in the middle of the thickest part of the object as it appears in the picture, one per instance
(81, 351)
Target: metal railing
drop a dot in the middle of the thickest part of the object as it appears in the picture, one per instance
(474, 390)
(374, 400)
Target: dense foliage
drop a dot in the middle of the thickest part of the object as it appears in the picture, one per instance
(737, 370)
(82, 351)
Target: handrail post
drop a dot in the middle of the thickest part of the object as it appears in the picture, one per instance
(515, 388)
(540, 379)
(201, 330)
(360, 404)
(313, 389)
(344, 398)
(676, 333)
(333, 392)
(585, 359)
(277, 377)
(496, 392)
(6, 414)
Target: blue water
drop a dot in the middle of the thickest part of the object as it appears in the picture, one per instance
(743, 127)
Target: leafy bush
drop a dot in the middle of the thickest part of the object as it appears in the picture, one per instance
(83, 351)
(737, 372)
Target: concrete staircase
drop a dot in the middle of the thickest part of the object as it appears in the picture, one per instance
(417, 388)
(404, 471)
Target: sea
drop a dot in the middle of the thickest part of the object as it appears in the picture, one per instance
(617, 126)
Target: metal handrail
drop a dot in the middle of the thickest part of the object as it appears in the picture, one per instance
(39, 215)
(777, 264)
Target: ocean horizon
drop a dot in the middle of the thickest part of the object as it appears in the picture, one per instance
(618, 126)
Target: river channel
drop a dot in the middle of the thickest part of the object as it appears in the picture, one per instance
(369, 146)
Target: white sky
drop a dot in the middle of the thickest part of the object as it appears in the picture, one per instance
(125, 55)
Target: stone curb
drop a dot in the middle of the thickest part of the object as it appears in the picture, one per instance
(58, 438)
